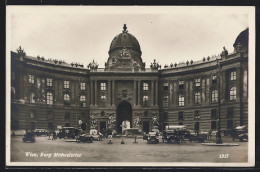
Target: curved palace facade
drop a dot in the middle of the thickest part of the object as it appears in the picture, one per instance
(50, 94)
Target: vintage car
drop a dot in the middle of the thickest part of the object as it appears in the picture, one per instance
(171, 136)
(96, 136)
(29, 137)
(174, 133)
(240, 133)
(40, 132)
(69, 132)
(132, 132)
(198, 137)
(84, 138)
(152, 138)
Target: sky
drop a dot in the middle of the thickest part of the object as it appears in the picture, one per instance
(167, 34)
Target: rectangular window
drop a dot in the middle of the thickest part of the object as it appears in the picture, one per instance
(197, 82)
(181, 100)
(214, 96)
(213, 113)
(31, 79)
(233, 93)
(145, 86)
(229, 124)
(66, 84)
(213, 125)
(165, 86)
(49, 98)
(197, 98)
(197, 115)
(82, 86)
(230, 112)
(38, 80)
(196, 126)
(165, 101)
(180, 116)
(181, 84)
(233, 75)
(214, 79)
(102, 86)
(165, 115)
(49, 82)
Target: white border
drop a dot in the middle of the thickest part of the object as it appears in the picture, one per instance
(141, 9)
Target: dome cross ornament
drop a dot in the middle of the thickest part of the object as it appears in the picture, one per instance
(125, 29)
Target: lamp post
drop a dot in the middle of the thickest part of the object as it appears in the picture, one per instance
(218, 139)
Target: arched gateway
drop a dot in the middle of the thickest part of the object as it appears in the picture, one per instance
(123, 113)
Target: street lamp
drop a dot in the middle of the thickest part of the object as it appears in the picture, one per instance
(218, 139)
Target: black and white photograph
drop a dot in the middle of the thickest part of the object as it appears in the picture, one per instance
(130, 86)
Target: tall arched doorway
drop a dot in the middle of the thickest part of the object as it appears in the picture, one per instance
(124, 112)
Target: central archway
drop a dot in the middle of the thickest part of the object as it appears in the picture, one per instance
(124, 112)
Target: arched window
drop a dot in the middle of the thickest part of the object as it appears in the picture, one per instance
(49, 98)
(214, 96)
(145, 100)
(232, 93)
(181, 100)
(197, 98)
(66, 97)
(82, 100)
(165, 101)
(32, 97)
(103, 100)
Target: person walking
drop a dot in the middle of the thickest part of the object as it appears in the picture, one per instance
(54, 135)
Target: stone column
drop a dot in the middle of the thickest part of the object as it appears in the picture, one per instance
(92, 93)
(134, 90)
(95, 92)
(139, 92)
(113, 93)
(152, 93)
(238, 85)
(109, 93)
(156, 93)
(171, 93)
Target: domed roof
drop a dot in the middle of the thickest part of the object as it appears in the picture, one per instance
(126, 40)
(242, 38)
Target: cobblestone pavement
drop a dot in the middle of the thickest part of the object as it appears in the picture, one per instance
(100, 151)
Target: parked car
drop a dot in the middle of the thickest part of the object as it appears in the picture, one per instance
(152, 138)
(174, 133)
(96, 136)
(132, 132)
(40, 132)
(29, 137)
(240, 133)
(84, 138)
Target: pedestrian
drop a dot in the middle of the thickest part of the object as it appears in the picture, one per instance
(54, 135)
(209, 135)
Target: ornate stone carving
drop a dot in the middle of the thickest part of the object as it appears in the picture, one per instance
(224, 53)
(93, 65)
(124, 54)
(125, 95)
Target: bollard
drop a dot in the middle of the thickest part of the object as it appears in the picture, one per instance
(122, 142)
(135, 140)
